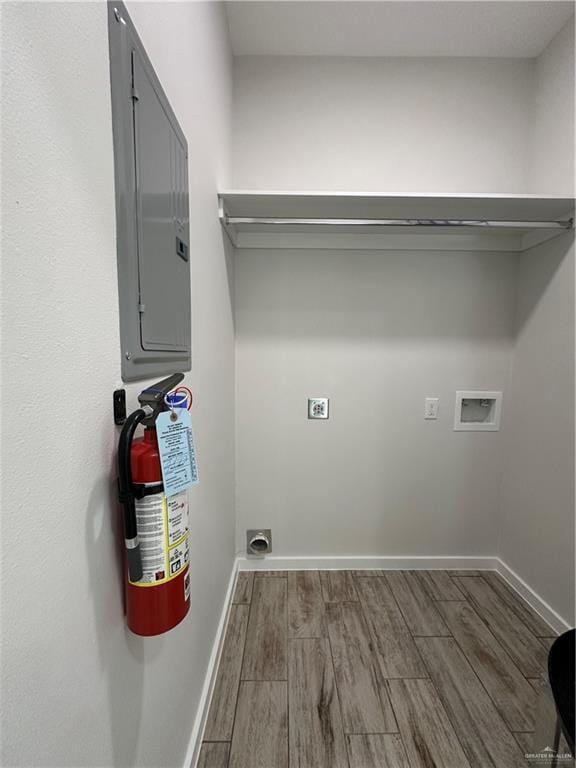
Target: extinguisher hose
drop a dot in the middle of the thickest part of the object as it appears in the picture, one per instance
(126, 494)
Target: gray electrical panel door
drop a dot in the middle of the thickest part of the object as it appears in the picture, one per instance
(153, 241)
(162, 211)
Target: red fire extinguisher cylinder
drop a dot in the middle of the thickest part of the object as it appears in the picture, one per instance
(156, 573)
(152, 609)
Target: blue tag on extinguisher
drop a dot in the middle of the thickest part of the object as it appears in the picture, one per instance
(177, 450)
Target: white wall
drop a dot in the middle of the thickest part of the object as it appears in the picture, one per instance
(551, 159)
(78, 688)
(392, 125)
(367, 328)
(376, 332)
(537, 528)
(389, 329)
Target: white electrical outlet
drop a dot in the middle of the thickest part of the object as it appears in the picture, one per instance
(431, 408)
(318, 407)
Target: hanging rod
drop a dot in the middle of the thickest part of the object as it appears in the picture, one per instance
(232, 220)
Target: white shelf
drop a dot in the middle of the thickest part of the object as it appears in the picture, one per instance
(266, 219)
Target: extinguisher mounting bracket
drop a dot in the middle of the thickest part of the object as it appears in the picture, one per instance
(119, 403)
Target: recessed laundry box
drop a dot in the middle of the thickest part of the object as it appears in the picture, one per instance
(477, 411)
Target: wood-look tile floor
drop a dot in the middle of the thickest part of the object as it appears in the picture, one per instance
(375, 669)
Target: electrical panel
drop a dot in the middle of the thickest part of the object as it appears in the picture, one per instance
(153, 236)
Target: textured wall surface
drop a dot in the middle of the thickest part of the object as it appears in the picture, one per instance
(537, 525)
(386, 330)
(537, 528)
(377, 332)
(385, 124)
(78, 689)
(551, 158)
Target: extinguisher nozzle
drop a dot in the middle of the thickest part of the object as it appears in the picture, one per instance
(134, 562)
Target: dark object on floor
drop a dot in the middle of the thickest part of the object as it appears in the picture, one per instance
(561, 674)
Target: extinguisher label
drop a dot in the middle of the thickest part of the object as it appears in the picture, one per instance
(177, 518)
(151, 524)
(177, 560)
(163, 534)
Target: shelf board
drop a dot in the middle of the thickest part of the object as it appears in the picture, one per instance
(533, 218)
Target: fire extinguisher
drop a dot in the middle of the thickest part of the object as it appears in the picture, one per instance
(157, 578)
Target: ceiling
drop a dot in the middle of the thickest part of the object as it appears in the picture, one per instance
(425, 28)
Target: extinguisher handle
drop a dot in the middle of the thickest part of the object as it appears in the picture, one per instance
(126, 494)
(154, 395)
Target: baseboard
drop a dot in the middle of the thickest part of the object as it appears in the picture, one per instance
(367, 563)
(533, 599)
(193, 751)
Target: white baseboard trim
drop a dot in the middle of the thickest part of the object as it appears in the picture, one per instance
(361, 563)
(193, 751)
(533, 599)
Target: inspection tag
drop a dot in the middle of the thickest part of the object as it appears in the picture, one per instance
(177, 450)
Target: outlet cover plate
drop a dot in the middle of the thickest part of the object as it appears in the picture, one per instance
(318, 407)
(431, 406)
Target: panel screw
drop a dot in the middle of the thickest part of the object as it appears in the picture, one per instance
(128, 355)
